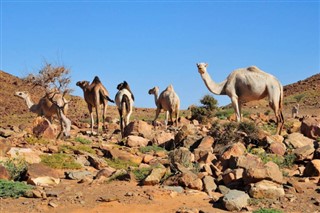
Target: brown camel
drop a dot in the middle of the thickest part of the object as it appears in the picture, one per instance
(45, 107)
(124, 100)
(52, 103)
(94, 95)
(168, 101)
(248, 84)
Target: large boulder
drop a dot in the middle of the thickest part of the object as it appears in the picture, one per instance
(155, 176)
(41, 127)
(312, 168)
(297, 140)
(235, 200)
(270, 171)
(139, 128)
(310, 127)
(266, 189)
(30, 155)
(136, 141)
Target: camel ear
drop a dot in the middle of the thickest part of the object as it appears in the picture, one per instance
(197, 64)
(207, 64)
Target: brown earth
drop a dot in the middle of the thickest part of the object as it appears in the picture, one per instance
(128, 196)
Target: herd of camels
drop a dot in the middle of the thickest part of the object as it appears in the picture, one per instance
(242, 85)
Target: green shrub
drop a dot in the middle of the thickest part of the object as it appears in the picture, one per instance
(120, 164)
(148, 149)
(205, 112)
(83, 140)
(141, 173)
(16, 167)
(33, 140)
(60, 161)
(299, 97)
(13, 189)
(264, 210)
(223, 114)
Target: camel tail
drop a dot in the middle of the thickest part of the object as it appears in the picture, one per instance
(125, 103)
(109, 99)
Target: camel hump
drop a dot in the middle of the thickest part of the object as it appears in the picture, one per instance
(96, 80)
(170, 88)
(253, 69)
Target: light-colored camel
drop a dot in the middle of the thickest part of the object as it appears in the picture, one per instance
(168, 101)
(124, 100)
(95, 94)
(295, 111)
(44, 107)
(248, 84)
(52, 103)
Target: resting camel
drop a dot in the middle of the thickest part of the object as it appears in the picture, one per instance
(124, 100)
(95, 94)
(52, 103)
(44, 107)
(248, 84)
(168, 101)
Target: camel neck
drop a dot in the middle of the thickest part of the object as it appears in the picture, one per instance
(29, 102)
(215, 88)
(156, 98)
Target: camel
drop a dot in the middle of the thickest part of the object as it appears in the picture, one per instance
(124, 100)
(52, 103)
(168, 101)
(295, 111)
(248, 84)
(44, 107)
(95, 94)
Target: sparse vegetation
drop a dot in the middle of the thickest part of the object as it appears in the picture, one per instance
(141, 173)
(60, 161)
(148, 149)
(264, 210)
(17, 167)
(13, 189)
(34, 140)
(120, 164)
(83, 140)
(205, 112)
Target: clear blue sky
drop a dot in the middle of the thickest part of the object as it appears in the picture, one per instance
(150, 43)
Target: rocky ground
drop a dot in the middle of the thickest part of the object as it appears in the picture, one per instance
(212, 167)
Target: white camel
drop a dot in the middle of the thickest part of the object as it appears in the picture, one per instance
(248, 84)
(168, 101)
(124, 100)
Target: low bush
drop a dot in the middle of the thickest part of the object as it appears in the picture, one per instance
(60, 161)
(17, 168)
(13, 189)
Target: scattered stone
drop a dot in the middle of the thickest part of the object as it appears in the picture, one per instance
(304, 152)
(136, 141)
(107, 199)
(312, 168)
(77, 175)
(4, 174)
(235, 200)
(155, 176)
(266, 189)
(297, 140)
(30, 155)
(53, 204)
(310, 127)
(43, 181)
(209, 185)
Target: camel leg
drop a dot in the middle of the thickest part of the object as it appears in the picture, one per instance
(128, 116)
(235, 104)
(121, 122)
(157, 115)
(104, 112)
(91, 117)
(279, 117)
(177, 117)
(166, 120)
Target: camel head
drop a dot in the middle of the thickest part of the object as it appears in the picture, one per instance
(123, 85)
(22, 94)
(202, 67)
(154, 90)
(82, 84)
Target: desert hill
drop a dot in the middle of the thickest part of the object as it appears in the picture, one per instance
(13, 110)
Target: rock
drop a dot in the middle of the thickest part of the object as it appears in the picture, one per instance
(246, 161)
(177, 189)
(312, 168)
(209, 185)
(297, 186)
(6, 132)
(269, 171)
(41, 127)
(30, 155)
(310, 127)
(189, 180)
(163, 138)
(4, 174)
(277, 148)
(155, 176)
(98, 163)
(77, 175)
(5, 146)
(41, 170)
(304, 152)
(147, 158)
(181, 156)
(136, 141)
(43, 181)
(236, 150)
(202, 155)
(106, 172)
(206, 143)
(223, 189)
(123, 155)
(274, 139)
(266, 189)
(233, 177)
(297, 140)
(139, 128)
(235, 200)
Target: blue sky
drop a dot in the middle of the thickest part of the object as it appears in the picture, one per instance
(150, 43)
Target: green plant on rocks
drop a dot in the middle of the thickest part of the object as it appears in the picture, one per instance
(264, 210)
(13, 189)
(17, 167)
(83, 140)
(60, 161)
